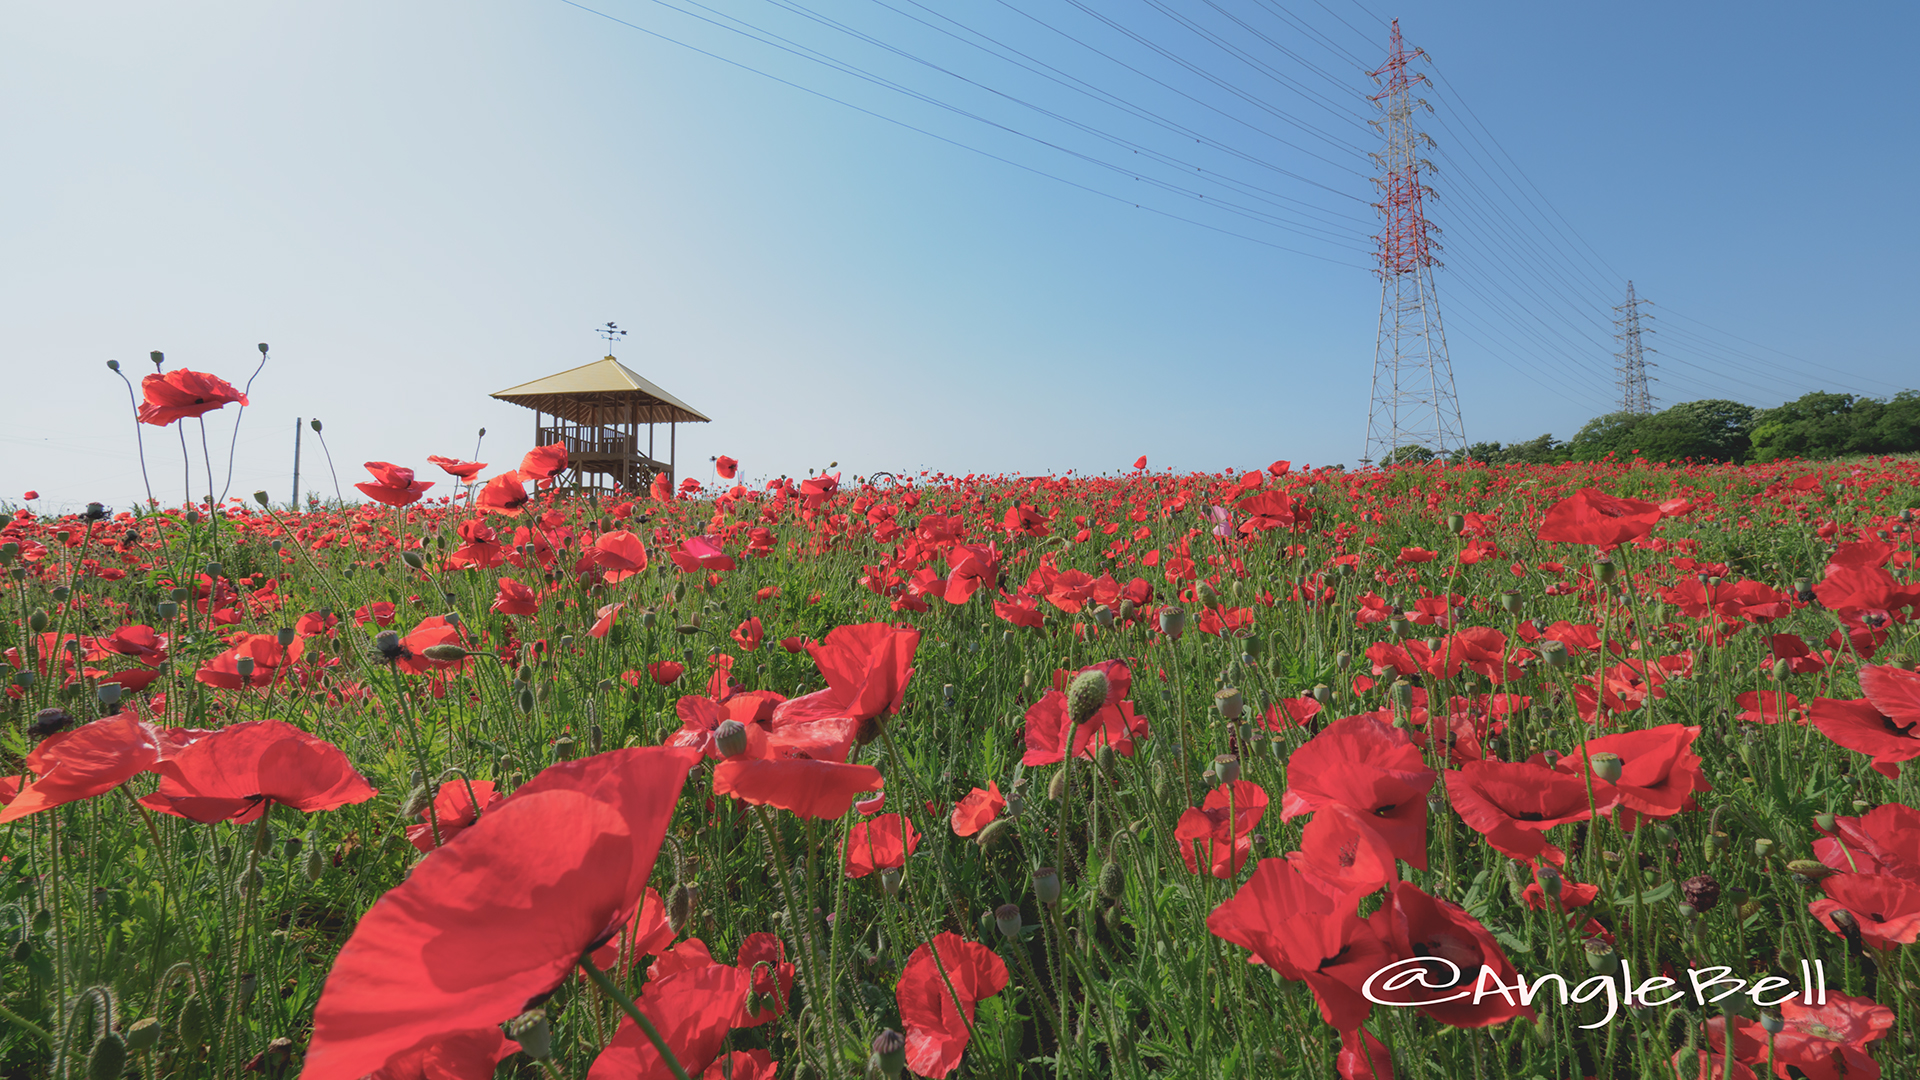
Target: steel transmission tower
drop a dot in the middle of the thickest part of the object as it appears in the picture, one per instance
(1413, 403)
(1633, 365)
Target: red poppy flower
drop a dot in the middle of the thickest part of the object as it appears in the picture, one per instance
(1659, 772)
(497, 918)
(694, 1002)
(1591, 516)
(89, 760)
(461, 1055)
(433, 630)
(264, 650)
(232, 774)
(661, 490)
(504, 494)
(809, 788)
(1860, 727)
(620, 555)
(1342, 856)
(464, 470)
(1886, 909)
(726, 467)
(603, 618)
(1363, 1057)
(456, 808)
(1114, 724)
(880, 844)
(866, 666)
(515, 599)
(666, 672)
(1366, 765)
(749, 634)
(544, 462)
(1767, 706)
(978, 809)
(817, 491)
(701, 716)
(393, 484)
(1414, 924)
(1884, 840)
(1222, 825)
(1140, 462)
(937, 1020)
(181, 394)
(1829, 1042)
(1305, 935)
(699, 553)
(1512, 804)
(139, 642)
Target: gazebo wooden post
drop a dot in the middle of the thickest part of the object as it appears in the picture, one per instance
(673, 453)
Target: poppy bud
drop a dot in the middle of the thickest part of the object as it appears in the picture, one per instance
(1607, 766)
(530, 1030)
(1824, 821)
(1006, 919)
(730, 738)
(1230, 703)
(1106, 758)
(1808, 871)
(315, 864)
(113, 365)
(314, 424)
(1057, 787)
(193, 1021)
(525, 701)
(890, 1053)
(413, 559)
(1113, 879)
(1601, 959)
(38, 621)
(143, 1034)
(1401, 693)
(993, 831)
(1126, 610)
(445, 653)
(1207, 593)
(680, 903)
(108, 1058)
(1085, 695)
(1227, 768)
(1046, 885)
(1173, 621)
(415, 803)
(251, 880)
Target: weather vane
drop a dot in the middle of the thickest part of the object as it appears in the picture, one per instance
(612, 333)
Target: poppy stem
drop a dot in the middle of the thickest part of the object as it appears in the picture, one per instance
(620, 998)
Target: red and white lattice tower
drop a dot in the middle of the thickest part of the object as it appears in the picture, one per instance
(1413, 404)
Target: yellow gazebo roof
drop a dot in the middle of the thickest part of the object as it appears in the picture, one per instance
(602, 392)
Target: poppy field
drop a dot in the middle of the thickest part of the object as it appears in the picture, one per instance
(1433, 771)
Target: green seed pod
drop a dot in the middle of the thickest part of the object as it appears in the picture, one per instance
(1085, 695)
(1229, 702)
(1607, 766)
(143, 1035)
(445, 653)
(1057, 787)
(563, 748)
(251, 880)
(680, 904)
(413, 559)
(890, 1053)
(1046, 885)
(38, 621)
(526, 699)
(1113, 879)
(1605, 570)
(415, 803)
(531, 1031)
(108, 1058)
(1006, 919)
(315, 864)
(1601, 959)
(1106, 759)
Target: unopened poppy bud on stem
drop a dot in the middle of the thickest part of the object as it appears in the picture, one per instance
(445, 653)
(994, 831)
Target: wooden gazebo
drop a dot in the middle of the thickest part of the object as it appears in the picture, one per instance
(597, 410)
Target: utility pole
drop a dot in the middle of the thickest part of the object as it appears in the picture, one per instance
(1413, 403)
(1632, 367)
(296, 464)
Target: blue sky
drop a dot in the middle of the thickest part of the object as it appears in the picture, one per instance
(417, 204)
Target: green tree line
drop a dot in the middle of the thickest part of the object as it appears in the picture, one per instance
(1818, 425)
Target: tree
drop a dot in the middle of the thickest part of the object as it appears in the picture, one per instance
(1820, 425)
(1603, 435)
